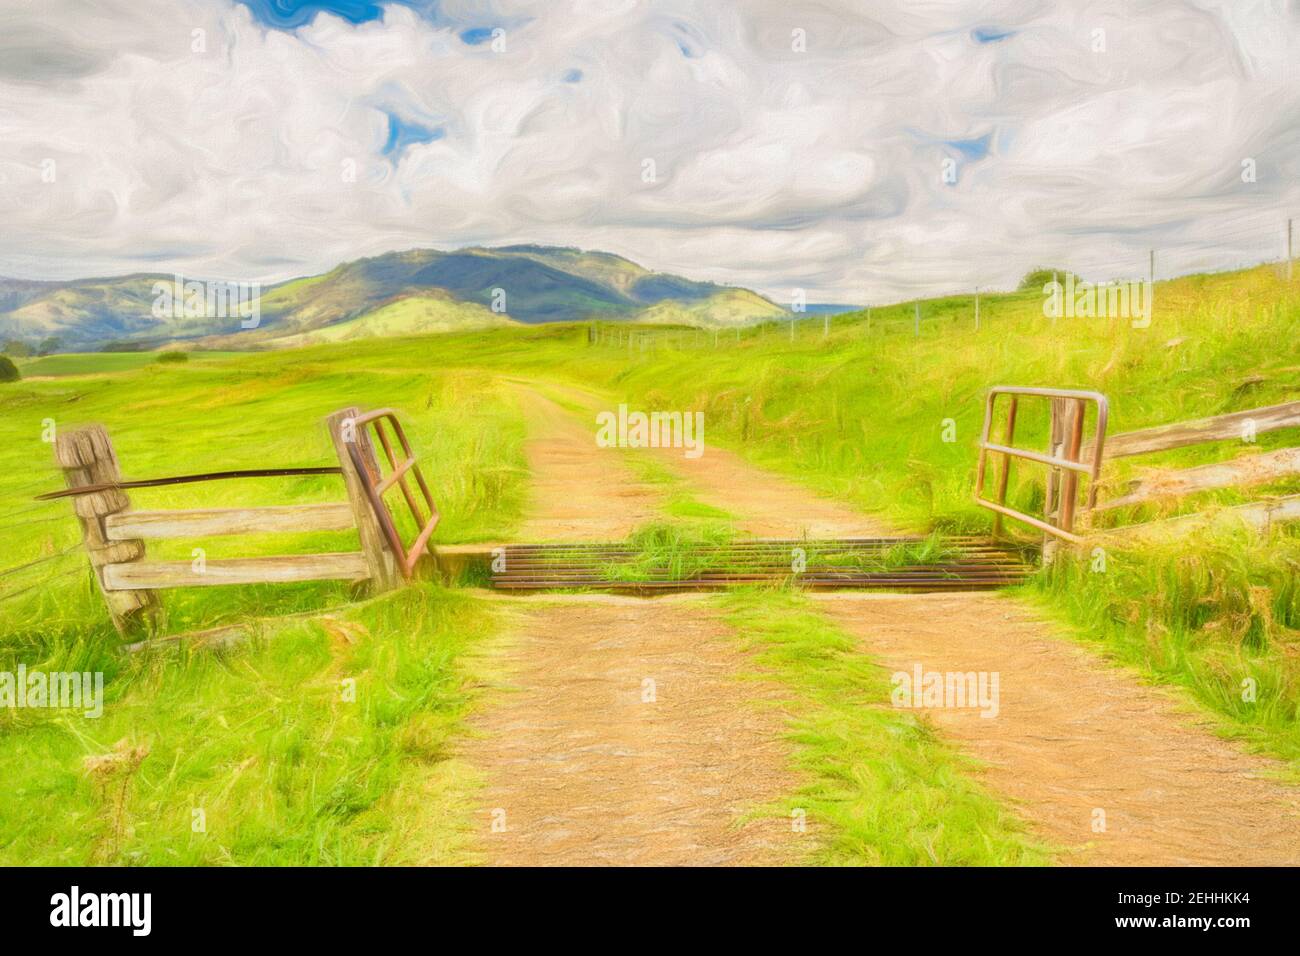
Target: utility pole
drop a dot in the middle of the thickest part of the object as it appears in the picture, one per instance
(826, 326)
(1153, 267)
(918, 320)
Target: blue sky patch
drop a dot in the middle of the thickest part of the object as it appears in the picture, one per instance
(406, 133)
(971, 149)
(291, 14)
(573, 76)
(688, 40)
(990, 34)
(476, 35)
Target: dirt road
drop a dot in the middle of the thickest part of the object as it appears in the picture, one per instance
(627, 740)
(1077, 743)
(578, 492)
(583, 770)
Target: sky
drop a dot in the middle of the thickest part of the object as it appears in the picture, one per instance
(860, 151)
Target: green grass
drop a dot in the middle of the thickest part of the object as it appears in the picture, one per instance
(258, 738)
(667, 551)
(92, 363)
(286, 765)
(932, 549)
(412, 315)
(879, 786)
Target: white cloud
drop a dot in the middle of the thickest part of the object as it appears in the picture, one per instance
(775, 168)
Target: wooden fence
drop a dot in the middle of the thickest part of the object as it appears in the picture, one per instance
(1242, 472)
(1068, 457)
(114, 534)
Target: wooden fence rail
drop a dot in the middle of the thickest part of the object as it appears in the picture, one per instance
(1198, 431)
(115, 535)
(1066, 459)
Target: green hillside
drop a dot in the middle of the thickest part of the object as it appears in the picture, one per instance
(410, 315)
(727, 309)
(528, 284)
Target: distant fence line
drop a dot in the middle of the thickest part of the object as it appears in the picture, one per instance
(796, 327)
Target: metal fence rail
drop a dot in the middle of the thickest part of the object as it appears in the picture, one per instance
(1064, 457)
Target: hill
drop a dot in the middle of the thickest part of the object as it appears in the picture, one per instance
(461, 289)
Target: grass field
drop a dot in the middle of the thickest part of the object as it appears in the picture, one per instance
(287, 771)
(260, 741)
(100, 362)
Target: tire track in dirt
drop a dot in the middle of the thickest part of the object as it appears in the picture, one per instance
(627, 739)
(1074, 735)
(577, 491)
(765, 504)
(623, 735)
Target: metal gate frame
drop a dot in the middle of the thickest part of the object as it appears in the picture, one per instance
(376, 485)
(1068, 409)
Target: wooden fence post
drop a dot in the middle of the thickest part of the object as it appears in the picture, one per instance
(87, 458)
(381, 561)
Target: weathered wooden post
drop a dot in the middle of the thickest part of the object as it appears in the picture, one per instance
(87, 458)
(384, 573)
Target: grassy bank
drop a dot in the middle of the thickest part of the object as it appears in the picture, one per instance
(324, 741)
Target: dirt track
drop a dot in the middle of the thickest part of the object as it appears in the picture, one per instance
(766, 505)
(627, 741)
(578, 492)
(588, 773)
(1074, 735)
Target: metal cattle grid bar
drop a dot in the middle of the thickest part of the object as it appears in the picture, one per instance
(969, 564)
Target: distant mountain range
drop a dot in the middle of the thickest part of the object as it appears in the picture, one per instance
(400, 293)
